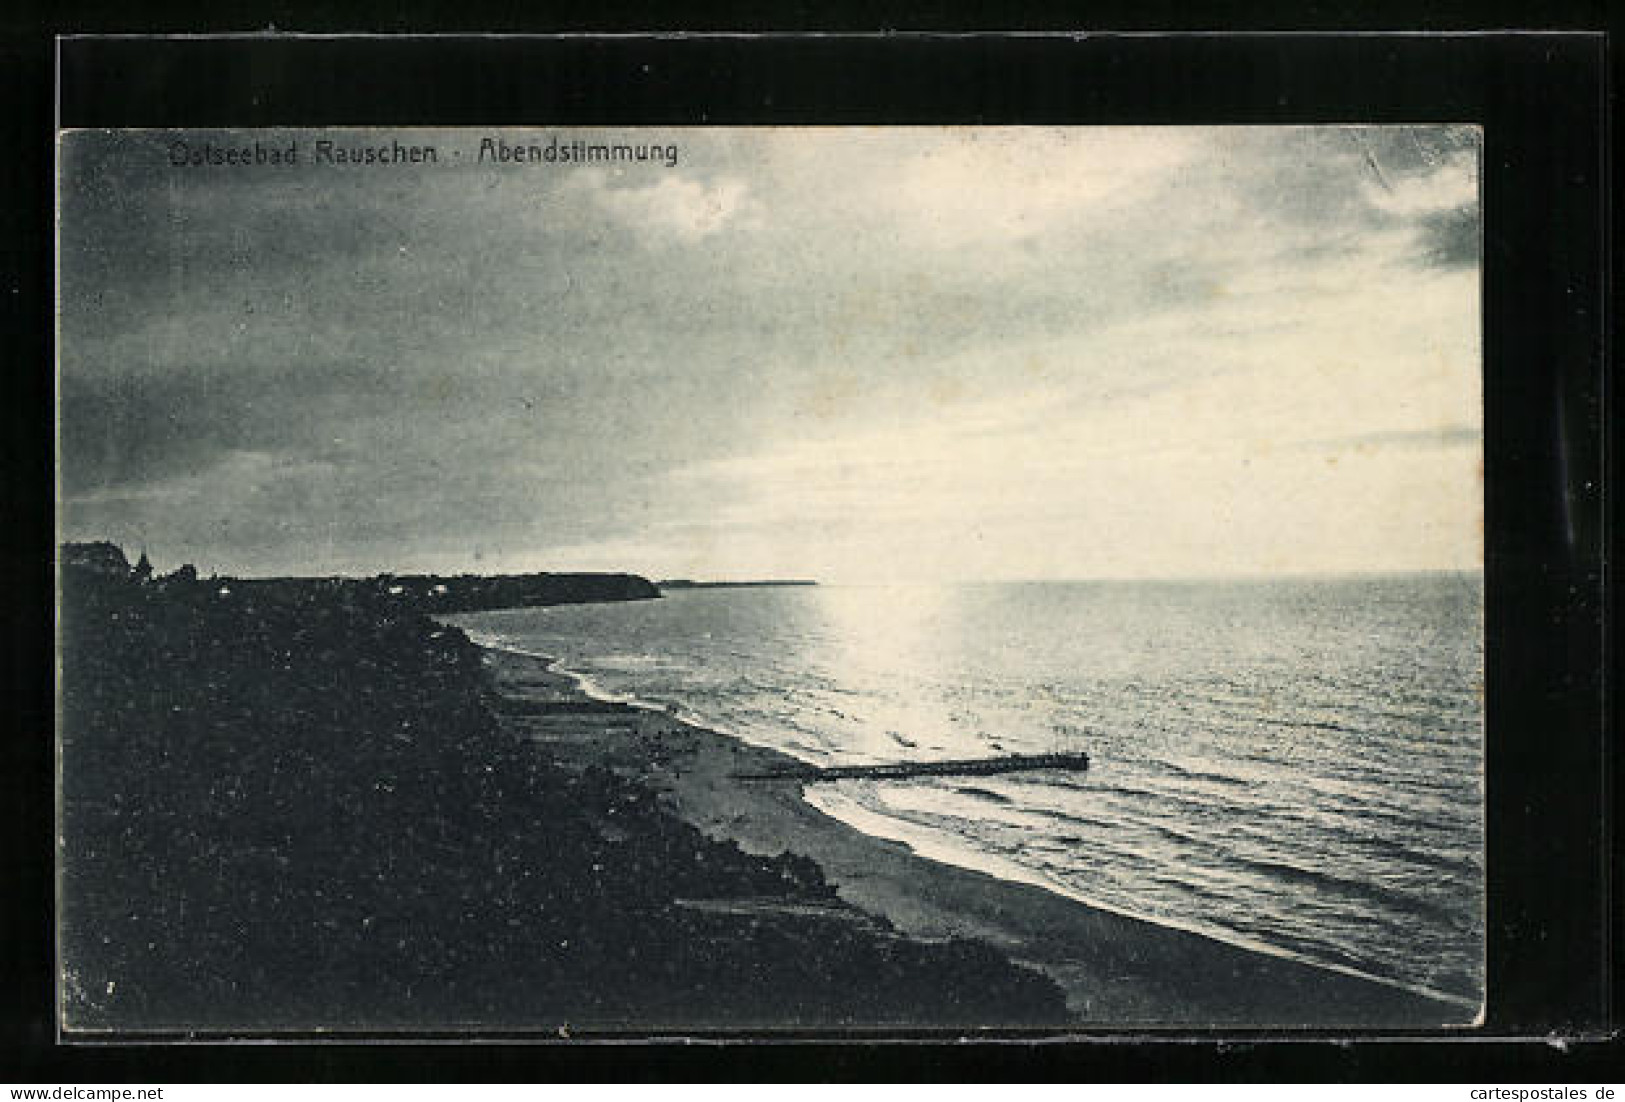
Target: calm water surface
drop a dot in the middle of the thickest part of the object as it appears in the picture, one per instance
(1294, 766)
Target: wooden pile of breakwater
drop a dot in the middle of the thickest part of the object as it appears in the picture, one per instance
(971, 767)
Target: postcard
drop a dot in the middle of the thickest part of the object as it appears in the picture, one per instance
(646, 581)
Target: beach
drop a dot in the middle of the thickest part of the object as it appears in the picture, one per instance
(1115, 970)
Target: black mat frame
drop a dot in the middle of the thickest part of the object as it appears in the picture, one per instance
(1542, 99)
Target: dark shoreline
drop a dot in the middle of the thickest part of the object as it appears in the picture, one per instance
(286, 809)
(1118, 971)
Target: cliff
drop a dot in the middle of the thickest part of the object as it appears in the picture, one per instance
(433, 593)
(288, 804)
(102, 564)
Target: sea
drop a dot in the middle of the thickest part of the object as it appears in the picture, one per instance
(1292, 766)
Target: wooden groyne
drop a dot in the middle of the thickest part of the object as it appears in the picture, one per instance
(970, 767)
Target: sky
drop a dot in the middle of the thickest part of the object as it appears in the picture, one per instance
(849, 354)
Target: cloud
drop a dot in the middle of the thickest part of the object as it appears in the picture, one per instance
(1010, 185)
(1451, 185)
(1437, 200)
(1451, 238)
(1445, 436)
(684, 208)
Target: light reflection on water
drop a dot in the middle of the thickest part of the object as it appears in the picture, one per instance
(1291, 764)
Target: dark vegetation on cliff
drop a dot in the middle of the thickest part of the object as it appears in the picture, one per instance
(430, 593)
(288, 805)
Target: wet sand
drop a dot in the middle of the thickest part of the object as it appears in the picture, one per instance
(1116, 971)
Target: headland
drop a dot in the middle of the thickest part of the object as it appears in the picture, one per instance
(294, 806)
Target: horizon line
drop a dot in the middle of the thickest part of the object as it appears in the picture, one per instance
(1103, 579)
(678, 581)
